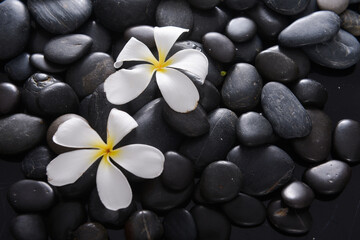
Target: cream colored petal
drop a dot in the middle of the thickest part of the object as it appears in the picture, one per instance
(178, 90)
(68, 167)
(126, 84)
(134, 50)
(192, 61)
(141, 160)
(113, 188)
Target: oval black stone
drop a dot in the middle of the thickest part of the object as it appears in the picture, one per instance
(9, 98)
(27, 225)
(241, 89)
(287, 116)
(31, 196)
(287, 7)
(288, 220)
(219, 47)
(91, 231)
(19, 69)
(174, 13)
(210, 224)
(179, 225)
(297, 195)
(144, 225)
(35, 161)
(264, 168)
(328, 178)
(220, 181)
(241, 29)
(245, 211)
(178, 171)
(346, 140)
(310, 93)
(100, 36)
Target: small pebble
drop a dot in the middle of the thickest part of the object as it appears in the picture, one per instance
(9, 98)
(350, 21)
(241, 29)
(346, 140)
(310, 93)
(91, 231)
(219, 47)
(297, 195)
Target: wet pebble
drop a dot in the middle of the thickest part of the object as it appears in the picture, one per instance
(297, 195)
(19, 69)
(179, 225)
(337, 6)
(174, 13)
(241, 29)
(346, 140)
(35, 161)
(91, 231)
(144, 224)
(310, 93)
(219, 47)
(9, 98)
(25, 225)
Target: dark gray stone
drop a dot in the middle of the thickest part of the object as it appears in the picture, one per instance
(204, 4)
(91, 231)
(287, 7)
(38, 61)
(35, 161)
(26, 225)
(346, 140)
(143, 33)
(38, 39)
(174, 13)
(241, 29)
(209, 96)
(219, 47)
(247, 51)
(9, 98)
(297, 195)
(19, 69)
(144, 224)
(179, 225)
(100, 36)
(310, 93)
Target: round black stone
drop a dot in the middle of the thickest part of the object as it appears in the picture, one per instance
(9, 98)
(297, 195)
(310, 93)
(346, 140)
(91, 231)
(144, 225)
(219, 47)
(26, 225)
(35, 161)
(178, 225)
(241, 29)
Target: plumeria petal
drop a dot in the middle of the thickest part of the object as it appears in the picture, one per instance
(192, 61)
(113, 188)
(68, 167)
(134, 50)
(77, 133)
(165, 37)
(141, 160)
(126, 84)
(119, 125)
(178, 90)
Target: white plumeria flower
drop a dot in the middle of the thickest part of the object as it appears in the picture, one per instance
(114, 190)
(177, 89)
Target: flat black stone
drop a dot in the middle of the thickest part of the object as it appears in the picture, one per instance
(35, 161)
(144, 225)
(287, 7)
(219, 47)
(19, 68)
(91, 231)
(340, 52)
(179, 225)
(174, 13)
(310, 93)
(210, 224)
(60, 17)
(241, 89)
(31, 196)
(247, 51)
(346, 140)
(328, 178)
(143, 33)
(9, 98)
(214, 145)
(38, 61)
(253, 129)
(287, 116)
(100, 36)
(20, 132)
(178, 171)
(220, 181)
(241, 29)
(245, 211)
(264, 168)
(25, 225)
(288, 220)
(316, 146)
(304, 31)
(67, 49)
(15, 28)
(297, 195)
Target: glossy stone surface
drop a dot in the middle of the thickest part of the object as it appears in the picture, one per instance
(38, 61)
(143, 33)
(346, 140)
(91, 231)
(178, 225)
(144, 225)
(297, 195)
(9, 98)
(241, 29)
(310, 93)
(100, 36)
(219, 47)
(19, 68)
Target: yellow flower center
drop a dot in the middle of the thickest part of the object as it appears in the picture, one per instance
(106, 151)
(161, 64)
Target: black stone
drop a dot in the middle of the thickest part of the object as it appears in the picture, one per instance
(245, 211)
(241, 89)
(241, 29)
(220, 181)
(144, 224)
(20, 132)
(300, 58)
(328, 178)
(247, 51)
(204, 4)
(26, 225)
(210, 224)
(209, 96)
(9, 98)
(311, 7)
(179, 225)
(178, 171)
(288, 220)
(109, 218)
(35, 161)
(62, 16)
(350, 21)
(341, 52)
(91, 231)
(174, 13)
(214, 145)
(156, 197)
(92, 70)
(253, 129)
(304, 32)
(191, 124)
(346, 140)
(100, 36)
(67, 49)
(15, 28)
(219, 47)
(19, 69)
(264, 168)
(240, 5)
(310, 93)
(117, 15)
(64, 219)
(31, 196)
(317, 145)
(297, 195)
(143, 33)
(39, 62)
(287, 7)
(287, 116)
(38, 39)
